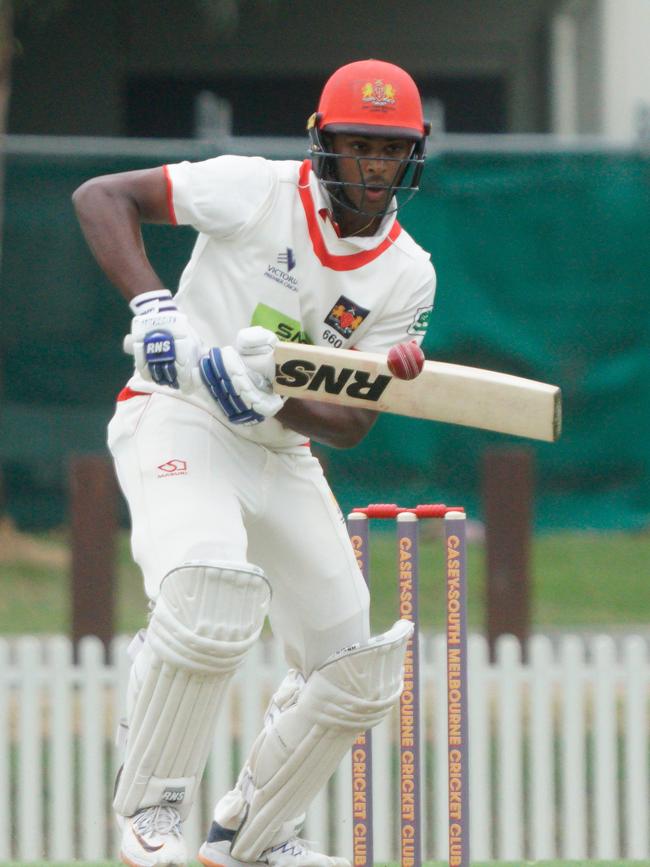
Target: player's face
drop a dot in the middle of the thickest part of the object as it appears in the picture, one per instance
(372, 163)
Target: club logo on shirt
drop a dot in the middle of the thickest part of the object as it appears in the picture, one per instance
(346, 316)
(282, 275)
(420, 321)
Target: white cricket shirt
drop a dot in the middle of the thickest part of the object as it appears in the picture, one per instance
(269, 254)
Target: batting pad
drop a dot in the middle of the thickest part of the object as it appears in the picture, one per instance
(300, 749)
(205, 620)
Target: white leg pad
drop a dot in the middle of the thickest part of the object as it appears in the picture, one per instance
(304, 742)
(205, 620)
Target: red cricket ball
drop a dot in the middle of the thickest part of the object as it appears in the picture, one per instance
(405, 360)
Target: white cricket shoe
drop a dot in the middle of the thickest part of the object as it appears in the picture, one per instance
(153, 837)
(215, 852)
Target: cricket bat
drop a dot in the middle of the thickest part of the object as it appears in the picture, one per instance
(442, 392)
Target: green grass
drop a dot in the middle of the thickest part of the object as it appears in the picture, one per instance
(580, 580)
(36, 599)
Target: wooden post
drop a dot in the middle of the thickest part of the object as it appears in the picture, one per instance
(508, 495)
(93, 523)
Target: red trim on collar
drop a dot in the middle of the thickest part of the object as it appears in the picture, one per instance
(324, 214)
(327, 259)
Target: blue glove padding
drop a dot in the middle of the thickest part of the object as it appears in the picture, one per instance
(219, 383)
(160, 355)
(165, 347)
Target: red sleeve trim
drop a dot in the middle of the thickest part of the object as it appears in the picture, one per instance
(127, 393)
(170, 196)
(327, 259)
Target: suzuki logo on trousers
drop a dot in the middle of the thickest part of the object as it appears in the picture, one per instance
(175, 467)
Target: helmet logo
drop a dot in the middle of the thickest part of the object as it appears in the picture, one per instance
(376, 94)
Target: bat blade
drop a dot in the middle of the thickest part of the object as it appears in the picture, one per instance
(451, 393)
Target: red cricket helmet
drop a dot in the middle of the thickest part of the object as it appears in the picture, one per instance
(374, 98)
(369, 98)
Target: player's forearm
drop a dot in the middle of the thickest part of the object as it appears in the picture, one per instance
(336, 426)
(110, 222)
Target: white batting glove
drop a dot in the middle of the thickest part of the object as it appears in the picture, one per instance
(243, 395)
(255, 345)
(164, 345)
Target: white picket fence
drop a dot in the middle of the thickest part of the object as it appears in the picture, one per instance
(558, 751)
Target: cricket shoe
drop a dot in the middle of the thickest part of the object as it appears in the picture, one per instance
(153, 837)
(215, 852)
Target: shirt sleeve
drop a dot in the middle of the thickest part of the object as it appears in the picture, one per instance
(408, 321)
(221, 196)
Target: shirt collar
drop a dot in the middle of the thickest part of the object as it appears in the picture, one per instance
(323, 205)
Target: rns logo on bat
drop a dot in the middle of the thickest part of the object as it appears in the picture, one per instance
(300, 374)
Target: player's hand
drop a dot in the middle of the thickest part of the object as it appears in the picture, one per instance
(255, 345)
(165, 347)
(243, 394)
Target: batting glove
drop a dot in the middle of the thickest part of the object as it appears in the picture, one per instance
(243, 395)
(165, 346)
(255, 345)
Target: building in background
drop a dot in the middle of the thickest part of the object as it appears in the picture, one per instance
(600, 68)
(148, 68)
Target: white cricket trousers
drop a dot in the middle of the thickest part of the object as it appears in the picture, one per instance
(198, 491)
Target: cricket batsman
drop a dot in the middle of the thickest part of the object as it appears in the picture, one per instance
(232, 518)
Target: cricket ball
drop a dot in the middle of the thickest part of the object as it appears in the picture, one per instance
(405, 360)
